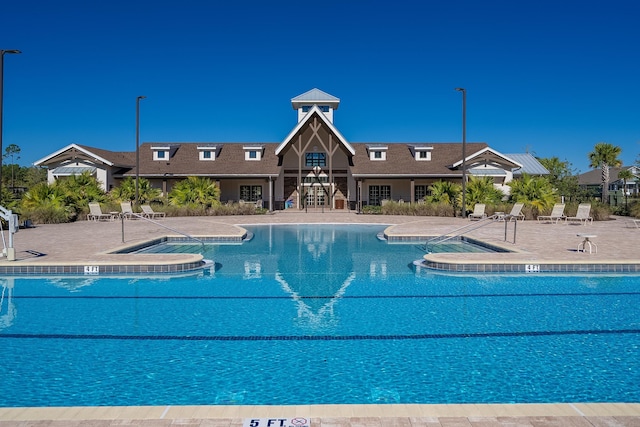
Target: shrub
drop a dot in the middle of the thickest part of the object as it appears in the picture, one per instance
(634, 208)
(372, 210)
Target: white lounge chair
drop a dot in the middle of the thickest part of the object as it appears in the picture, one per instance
(147, 212)
(557, 214)
(516, 213)
(582, 215)
(478, 212)
(95, 213)
(127, 210)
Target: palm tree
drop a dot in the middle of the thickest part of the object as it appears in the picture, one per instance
(126, 191)
(536, 192)
(604, 156)
(624, 175)
(81, 189)
(443, 192)
(45, 204)
(195, 191)
(481, 190)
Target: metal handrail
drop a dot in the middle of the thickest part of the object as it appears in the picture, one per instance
(466, 228)
(158, 224)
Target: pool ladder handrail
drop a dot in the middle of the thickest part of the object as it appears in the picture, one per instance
(464, 229)
(160, 225)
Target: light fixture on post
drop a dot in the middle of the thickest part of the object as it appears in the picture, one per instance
(464, 149)
(2, 52)
(138, 149)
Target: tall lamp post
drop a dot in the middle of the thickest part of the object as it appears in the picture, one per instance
(464, 150)
(2, 52)
(138, 148)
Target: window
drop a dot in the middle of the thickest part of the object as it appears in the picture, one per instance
(250, 193)
(422, 153)
(253, 152)
(207, 152)
(315, 159)
(164, 152)
(377, 152)
(378, 193)
(421, 191)
(160, 155)
(323, 108)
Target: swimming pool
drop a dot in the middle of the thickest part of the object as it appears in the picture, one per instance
(318, 314)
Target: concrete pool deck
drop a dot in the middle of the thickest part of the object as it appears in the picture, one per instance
(89, 243)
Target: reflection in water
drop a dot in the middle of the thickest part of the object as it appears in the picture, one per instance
(252, 270)
(7, 318)
(317, 318)
(315, 273)
(72, 284)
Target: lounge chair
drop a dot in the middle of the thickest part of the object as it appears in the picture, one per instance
(582, 215)
(147, 212)
(478, 212)
(516, 213)
(127, 210)
(95, 213)
(557, 214)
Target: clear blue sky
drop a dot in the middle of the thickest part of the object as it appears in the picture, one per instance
(552, 77)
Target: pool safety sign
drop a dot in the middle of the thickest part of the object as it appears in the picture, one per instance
(277, 422)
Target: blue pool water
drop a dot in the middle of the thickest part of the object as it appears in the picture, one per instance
(318, 314)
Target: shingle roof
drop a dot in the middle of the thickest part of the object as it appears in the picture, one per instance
(230, 161)
(400, 160)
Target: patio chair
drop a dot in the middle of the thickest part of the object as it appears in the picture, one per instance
(95, 213)
(478, 212)
(148, 212)
(582, 215)
(557, 214)
(516, 212)
(127, 210)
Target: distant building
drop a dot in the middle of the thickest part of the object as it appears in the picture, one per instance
(592, 182)
(314, 164)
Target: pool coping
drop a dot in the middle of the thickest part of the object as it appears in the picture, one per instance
(510, 259)
(367, 411)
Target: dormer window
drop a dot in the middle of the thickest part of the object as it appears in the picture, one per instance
(207, 152)
(422, 153)
(253, 152)
(377, 152)
(161, 152)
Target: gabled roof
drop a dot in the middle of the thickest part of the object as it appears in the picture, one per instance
(315, 96)
(488, 156)
(594, 177)
(108, 158)
(314, 112)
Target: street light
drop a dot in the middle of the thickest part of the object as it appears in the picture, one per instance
(2, 52)
(464, 149)
(138, 148)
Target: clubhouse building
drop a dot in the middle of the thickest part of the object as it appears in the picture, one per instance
(314, 165)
